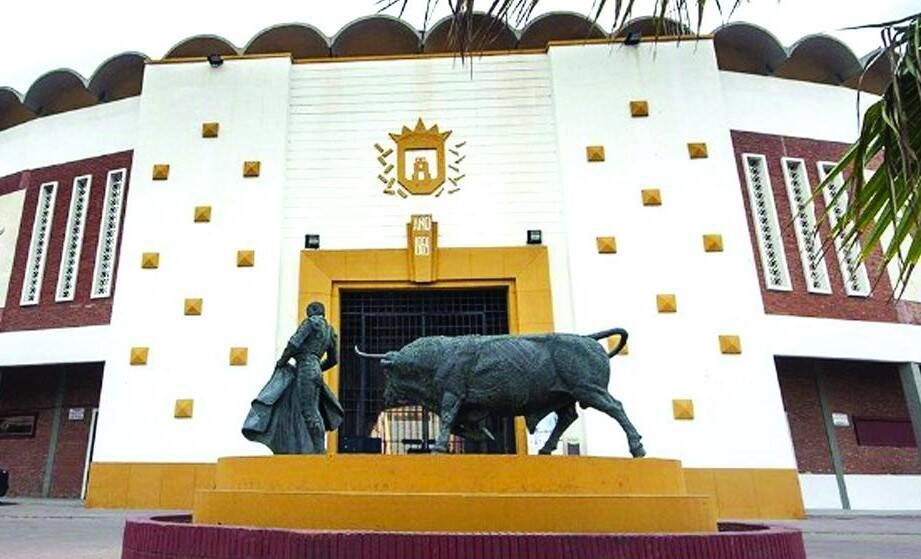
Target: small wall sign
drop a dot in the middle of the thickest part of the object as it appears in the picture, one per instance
(840, 420)
(76, 414)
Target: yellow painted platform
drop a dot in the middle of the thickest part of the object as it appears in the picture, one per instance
(452, 473)
(458, 512)
(456, 493)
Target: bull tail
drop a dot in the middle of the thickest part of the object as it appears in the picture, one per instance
(607, 334)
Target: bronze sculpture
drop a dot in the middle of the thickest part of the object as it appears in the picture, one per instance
(295, 408)
(465, 379)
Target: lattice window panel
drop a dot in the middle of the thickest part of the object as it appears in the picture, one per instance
(802, 208)
(38, 247)
(854, 273)
(73, 238)
(767, 228)
(107, 250)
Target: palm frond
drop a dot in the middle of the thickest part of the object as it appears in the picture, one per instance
(465, 37)
(884, 211)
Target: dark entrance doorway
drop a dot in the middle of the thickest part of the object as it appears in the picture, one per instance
(379, 321)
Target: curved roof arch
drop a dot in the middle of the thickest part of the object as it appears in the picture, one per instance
(201, 45)
(378, 35)
(299, 39)
(820, 59)
(746, 47)
(489, 33)
(558, 26)
(12, 110)
(647, 26)
(876, 74)
(119, 77)
(58, 91)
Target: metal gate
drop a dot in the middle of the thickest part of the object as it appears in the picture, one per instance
(379, 321)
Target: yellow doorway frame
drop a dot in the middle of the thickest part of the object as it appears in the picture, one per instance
(524, 271)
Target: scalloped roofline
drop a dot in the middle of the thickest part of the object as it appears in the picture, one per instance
(271, 28)
(27, 99)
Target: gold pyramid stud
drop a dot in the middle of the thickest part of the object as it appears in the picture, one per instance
(251, 168)
(183, 409)
(639, 109)
(594, 153)
(713, 242)
(246, 258)
(210, 129)
(606, 245)
(730, 345)
(683, 409)
(666, 302)
(193, 307)
(697, 150)
(150, 260)
(652, 197)
(202, 214)
(160, 172)
(138, 356)
(612, 343)
(238, 356)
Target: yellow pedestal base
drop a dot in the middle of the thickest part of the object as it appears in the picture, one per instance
(555, 494)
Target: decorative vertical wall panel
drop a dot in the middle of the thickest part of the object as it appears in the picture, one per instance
(107, 249)
(38, 246)
(767, 227)
(73, 238)
(803, 209)
(853, 272)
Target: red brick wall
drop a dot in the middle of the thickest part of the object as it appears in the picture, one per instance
(82, 311)
(34, 389)
(800, 302)
(861, 389)
(8, 184)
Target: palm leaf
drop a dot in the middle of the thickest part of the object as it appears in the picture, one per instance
(884, 210)
(464, 39)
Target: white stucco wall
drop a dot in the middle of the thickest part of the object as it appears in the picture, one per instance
(70, 136)
(189, 355)
(864, 491)
(85, 344)
(660, 250)
(791, 107)
(882, 492)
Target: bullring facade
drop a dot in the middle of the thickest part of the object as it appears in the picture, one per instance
(164, 223)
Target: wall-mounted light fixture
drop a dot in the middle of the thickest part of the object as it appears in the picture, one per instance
(312, 241)
(633, 38)
(535, 237)
(215, 60)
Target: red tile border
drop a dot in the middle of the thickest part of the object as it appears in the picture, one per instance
(174, 537)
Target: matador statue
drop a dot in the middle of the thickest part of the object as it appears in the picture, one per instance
(295, 408)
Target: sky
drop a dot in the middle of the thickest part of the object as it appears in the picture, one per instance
(39, 37)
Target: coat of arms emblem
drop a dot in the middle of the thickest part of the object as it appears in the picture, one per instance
(422, 162)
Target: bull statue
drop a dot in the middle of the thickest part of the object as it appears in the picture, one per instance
(465, 379)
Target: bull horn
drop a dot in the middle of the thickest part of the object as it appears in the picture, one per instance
(368, 355)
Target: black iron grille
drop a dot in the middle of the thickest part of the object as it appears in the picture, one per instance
(379, 321)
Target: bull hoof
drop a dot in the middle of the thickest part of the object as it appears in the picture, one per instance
(638, 451)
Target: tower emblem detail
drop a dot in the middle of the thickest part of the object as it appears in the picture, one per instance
(422, 162)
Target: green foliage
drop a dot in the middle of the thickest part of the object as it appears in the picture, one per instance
(884, 206)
